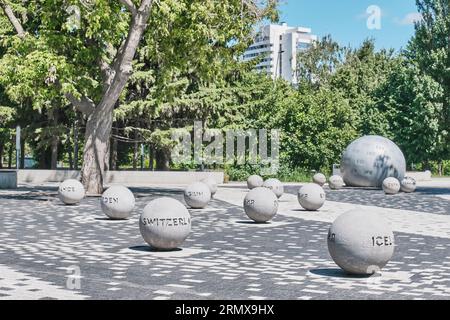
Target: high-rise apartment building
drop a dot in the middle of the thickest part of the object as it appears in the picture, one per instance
(277, 47)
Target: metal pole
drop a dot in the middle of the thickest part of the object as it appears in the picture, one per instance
(17, 147)
(142, 156)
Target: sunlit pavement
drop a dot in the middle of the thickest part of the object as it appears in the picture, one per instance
(52, 251)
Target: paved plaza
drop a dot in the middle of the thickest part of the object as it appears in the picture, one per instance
(52, 251)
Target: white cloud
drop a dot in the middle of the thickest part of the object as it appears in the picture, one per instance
(410, 18)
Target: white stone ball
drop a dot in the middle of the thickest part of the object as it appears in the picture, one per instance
(165, 223)
(408, 185)
(212, 185)
(275, 185)
(320, 179)
(311, 196)
(335, 182)
(261, 204)
(391, 185)
(71, 191)
(360, 242)
(118, 202)
(254, 181)
(197, 195)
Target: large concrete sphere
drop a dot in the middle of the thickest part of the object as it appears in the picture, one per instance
(71, 191)
(367, 161)
(408, 185)
(275, 185)
(391, 185)
(117, 202)
(254, 181)
(261, 204)
(335, 182)
(165, 223)
(212, 185)
(320, 179)
(311, 196)
(360, 242)
(197, 195)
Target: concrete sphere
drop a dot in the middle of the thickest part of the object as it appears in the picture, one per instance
(117, 202)
(275, 185)
(254, 181)
(391, 186)
(408, 185)
(212, 185)
(360, 242)
(367, 161)
(260, 204)
(320, 179)
(311, 196)
(165, 223)
(71, 191)
(197, 195)
(335, 182)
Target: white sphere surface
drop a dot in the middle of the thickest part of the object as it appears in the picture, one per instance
(311, 196)
(165, 223)
(391, 185)
(320, 179)
(335, 182)
(408, 185)
(360, 242)
(275, 185)
(254, 181)
(261, 204)
(197, 195)
(117, 202)
(71, 191)
(367, 161)
(212, 184)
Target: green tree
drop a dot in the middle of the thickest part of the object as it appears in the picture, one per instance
(412, 101)
(430, 50)
(93, 58)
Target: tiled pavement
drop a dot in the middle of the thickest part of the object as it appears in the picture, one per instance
(52, 251)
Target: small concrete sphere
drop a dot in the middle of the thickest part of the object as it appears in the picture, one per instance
(311, 196)
(360, 242)
(254, 181)
(118, 202)
(275, 185)
(165, 223)
(391, 185)
(212, 185)
(335, 182)
(408, 185)
(261, 204)
(320, 179)
(71, 191)
(197, 195)
(367, 161)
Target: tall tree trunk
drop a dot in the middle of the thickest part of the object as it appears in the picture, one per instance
(98, 131)
(54, 153)
(22, 153)
(135, 155)
(2, 147)
(151, 158)
(162, 160)
(113, 155)
(1, 155)
(75, 145)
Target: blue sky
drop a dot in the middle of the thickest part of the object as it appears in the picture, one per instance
(346, 20)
